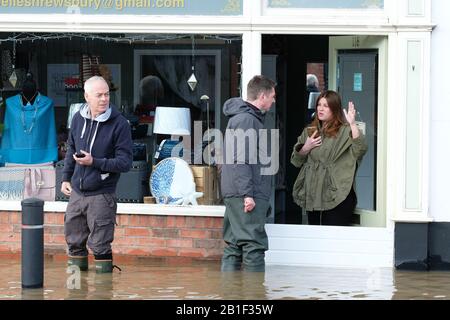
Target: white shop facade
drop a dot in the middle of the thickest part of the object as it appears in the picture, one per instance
(375, 53)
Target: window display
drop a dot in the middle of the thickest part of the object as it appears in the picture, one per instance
(143, 72)
(29, 134)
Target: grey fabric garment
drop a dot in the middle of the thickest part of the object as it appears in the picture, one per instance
(245, 235)
(90, 220)
(243, 178)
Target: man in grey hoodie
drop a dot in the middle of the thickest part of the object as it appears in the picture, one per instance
(246, 191)
(99, 149)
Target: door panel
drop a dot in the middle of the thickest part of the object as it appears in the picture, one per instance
(269, 69)
(357, 82)
(357, 67)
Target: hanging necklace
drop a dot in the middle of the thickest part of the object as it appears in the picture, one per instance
(33, 120)
(29, 101)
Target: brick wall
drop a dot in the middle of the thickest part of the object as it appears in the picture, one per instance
(318, 70)
(135, 235)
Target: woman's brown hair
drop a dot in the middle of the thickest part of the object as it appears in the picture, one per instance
(338, 118)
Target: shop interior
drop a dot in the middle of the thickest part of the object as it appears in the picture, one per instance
(296, 56)
(163, 64)
(299, 58)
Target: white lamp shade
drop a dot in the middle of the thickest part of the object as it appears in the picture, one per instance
(174, 121)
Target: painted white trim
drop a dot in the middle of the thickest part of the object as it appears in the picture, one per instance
(398, 129)
(413, 217)
(392, 127)
(169, 210)
(404, 17)
(291, 26)
(413, 134)
(251, 58)
(131, 208)
(329, 246)
(419, 4)
(312, 22)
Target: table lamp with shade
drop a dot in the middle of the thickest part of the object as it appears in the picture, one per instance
(175, 121)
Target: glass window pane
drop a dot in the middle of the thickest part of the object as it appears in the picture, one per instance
(357, 82)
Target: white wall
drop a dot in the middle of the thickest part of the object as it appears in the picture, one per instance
(440, 113)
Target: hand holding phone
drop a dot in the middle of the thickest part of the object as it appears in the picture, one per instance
(83, 158)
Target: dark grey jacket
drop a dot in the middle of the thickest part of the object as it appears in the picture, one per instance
(241, 177)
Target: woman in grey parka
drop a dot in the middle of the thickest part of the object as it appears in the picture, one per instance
(328, 158)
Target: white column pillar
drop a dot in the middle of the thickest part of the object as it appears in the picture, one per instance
(251, 58)
(414, 116)
(440, 116)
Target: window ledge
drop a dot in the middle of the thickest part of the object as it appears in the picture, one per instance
(132, 208)
(412, 217)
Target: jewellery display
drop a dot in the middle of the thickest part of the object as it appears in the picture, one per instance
(33, 120)
(29, 101)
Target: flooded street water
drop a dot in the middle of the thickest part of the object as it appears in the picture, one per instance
(150, 279)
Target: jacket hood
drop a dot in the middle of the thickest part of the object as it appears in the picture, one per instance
(236, 106)
(86, 113)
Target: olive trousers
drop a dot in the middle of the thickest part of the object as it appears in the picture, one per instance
(244, 235)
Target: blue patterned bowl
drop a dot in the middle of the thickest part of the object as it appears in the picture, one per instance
(168, 179)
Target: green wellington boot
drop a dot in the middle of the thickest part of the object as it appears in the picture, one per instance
(103, 266)
(79, 261)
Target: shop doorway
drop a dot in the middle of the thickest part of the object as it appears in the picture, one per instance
(352, 66)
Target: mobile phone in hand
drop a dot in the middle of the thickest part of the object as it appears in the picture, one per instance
(80, 155)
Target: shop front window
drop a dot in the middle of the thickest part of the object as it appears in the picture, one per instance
(312, 65)
(195, 72)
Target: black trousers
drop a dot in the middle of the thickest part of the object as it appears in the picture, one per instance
(338, 216)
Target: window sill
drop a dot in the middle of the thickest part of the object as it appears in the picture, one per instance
(132, 208)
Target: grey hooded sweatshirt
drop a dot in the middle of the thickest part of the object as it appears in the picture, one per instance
(108, 139)
(241, 172)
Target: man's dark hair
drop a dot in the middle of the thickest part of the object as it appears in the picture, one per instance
(258, 85)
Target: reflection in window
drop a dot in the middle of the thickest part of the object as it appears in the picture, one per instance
(174, 70)
(316, 77)
(164, 77)
(357, 82)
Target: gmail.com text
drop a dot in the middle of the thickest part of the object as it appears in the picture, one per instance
(93, 4)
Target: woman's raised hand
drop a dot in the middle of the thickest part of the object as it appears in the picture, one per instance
(350, 115)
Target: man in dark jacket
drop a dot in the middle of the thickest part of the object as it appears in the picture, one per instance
(245, 187)
(99, 149)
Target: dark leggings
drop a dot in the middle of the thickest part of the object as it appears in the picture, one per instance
(338, 216)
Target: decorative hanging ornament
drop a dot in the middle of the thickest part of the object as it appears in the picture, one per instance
(13, 78)
(192, 81)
